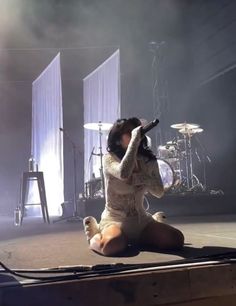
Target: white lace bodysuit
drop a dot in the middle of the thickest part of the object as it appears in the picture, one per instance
(125, 189)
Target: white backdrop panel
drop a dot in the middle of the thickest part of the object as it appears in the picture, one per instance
(101, 103)
(47, 140)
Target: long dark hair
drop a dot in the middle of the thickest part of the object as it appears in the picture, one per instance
(125, 126)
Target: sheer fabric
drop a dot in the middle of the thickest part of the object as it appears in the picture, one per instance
(101, 103)
(47, 140)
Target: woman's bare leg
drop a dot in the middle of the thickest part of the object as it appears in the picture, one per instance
(162, 236)
(110, 241)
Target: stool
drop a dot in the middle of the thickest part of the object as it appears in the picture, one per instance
(34, 176)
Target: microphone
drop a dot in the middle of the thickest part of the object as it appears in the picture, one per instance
(146, 128)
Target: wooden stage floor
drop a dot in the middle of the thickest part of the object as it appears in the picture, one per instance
(39, 245)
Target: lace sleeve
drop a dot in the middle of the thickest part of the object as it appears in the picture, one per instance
(124, 168)
(155, 186)
(150, 178)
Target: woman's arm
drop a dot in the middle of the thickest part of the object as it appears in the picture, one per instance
(124, 168)
(152, 179)
(155, 187)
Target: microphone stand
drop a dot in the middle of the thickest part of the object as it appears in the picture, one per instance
(101, 155)
(75, 216)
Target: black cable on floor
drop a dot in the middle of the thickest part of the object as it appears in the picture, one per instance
(107, 269)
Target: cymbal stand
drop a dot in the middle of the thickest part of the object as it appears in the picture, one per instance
(203, 160)
(101, 155)
(188, 160)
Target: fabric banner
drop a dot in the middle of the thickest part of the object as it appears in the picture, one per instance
(47, 139)
(101, 103)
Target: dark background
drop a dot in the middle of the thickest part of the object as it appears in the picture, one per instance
(200, 61)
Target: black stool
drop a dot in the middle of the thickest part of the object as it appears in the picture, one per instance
(34, 176)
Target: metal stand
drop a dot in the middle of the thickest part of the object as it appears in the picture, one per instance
(203, 161)
(75, 217)
(101, 155)
(99, 127)
(39, 178)
(191, 183)
(189, 161)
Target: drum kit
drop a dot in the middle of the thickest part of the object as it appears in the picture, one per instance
(175, 160)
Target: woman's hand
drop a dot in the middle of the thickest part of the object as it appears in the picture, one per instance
(136, 133)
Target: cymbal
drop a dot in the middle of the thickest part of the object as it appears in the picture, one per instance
(185, 126)
(97, 126)
(191, 131)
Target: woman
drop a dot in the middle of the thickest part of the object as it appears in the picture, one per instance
(130, 171)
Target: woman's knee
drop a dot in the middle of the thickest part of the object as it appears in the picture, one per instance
(180, 239)
(113, 245)
(177, 239)
(174, 240)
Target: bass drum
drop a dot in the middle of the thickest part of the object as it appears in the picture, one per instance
(166, 173)
(176, 167)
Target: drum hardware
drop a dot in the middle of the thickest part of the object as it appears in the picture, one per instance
(188, 130)
(169, 150)
(178, 154)
(181, 147)
(101, 127)
(93, 189)
(75, 150)
(205, 158)
(185, 125)
(182, 187)
(191, 132)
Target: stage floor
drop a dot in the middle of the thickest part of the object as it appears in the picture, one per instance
(39, 245)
